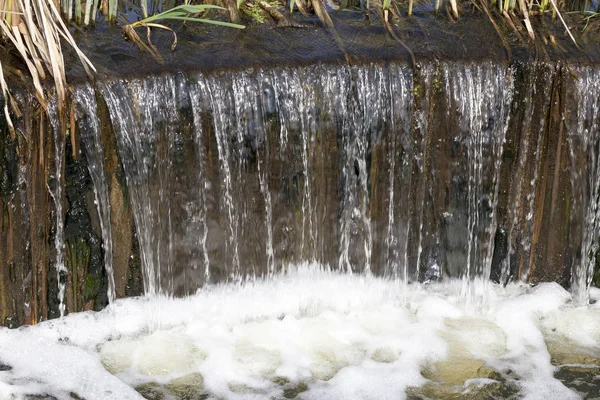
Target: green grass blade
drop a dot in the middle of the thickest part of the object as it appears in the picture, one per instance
(181, 10)
(193, 8)
(209, 21)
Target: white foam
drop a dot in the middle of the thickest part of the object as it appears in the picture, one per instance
(343, 336)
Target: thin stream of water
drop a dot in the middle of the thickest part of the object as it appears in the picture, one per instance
(57, 197)
(89, 128)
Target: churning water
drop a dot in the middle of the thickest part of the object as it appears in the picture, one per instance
(315, 334)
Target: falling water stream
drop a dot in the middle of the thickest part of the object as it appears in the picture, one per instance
(586, 137)
(89, 126)
(57, 196)
(329, 232)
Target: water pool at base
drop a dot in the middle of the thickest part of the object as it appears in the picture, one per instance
(311, 333)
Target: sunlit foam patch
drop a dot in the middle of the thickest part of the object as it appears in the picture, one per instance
(160, 353)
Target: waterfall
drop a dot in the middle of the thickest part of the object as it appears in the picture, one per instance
(481, 96)
(584, 140)
(144, 114)
(57, 195)
(223, 125)
(373, 168)
(89, 128)
(400, 159)
(203, 182)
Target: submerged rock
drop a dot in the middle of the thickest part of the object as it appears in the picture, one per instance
(578, 367)
(565, 353)
(151, 391)
(585, 380)
(188, 387)
(464, 379)
(291, 393)
(476, 390)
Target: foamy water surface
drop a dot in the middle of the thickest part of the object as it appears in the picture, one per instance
(314, 334)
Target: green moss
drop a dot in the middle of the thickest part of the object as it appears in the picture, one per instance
(437, 83)
(280, 380)
(255, 12)
(91, 287)
(151, 391)
(292, 393)
(79, 258)
(417, 90)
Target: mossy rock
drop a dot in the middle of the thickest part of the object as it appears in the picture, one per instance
(280, 380)
(188, 387)
(564, 353)
(457, 372)
(151, 391)
(244, 389)
(448, 380)
(292, 393)
(445, 391)
(582, 379)
(92, 286)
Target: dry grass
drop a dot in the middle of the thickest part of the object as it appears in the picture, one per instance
(7, 99)
(37, 32)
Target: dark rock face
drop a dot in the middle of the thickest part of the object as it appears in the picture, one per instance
(443, 169)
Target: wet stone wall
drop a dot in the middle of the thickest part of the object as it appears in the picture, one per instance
(170, 182)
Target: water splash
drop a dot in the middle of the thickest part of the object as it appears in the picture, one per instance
(264, 339)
